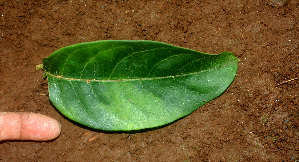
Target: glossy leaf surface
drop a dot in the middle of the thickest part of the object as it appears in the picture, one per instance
(132, 85)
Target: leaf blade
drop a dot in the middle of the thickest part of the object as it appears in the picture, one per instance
(144, 89)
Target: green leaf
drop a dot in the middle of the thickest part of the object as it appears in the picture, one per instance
(132, 85)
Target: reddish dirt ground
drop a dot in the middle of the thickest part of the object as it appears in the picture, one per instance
(256, 119)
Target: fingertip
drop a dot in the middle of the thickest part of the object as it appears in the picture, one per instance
(39, 127)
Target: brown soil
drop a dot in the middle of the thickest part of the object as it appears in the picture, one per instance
(256, 119)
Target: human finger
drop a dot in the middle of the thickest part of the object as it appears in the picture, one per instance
(28, 126)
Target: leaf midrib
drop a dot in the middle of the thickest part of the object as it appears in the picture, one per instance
(139, 79)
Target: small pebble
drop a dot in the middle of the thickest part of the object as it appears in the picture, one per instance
(279, 3)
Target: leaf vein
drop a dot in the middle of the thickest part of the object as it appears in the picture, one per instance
(100, 52)
(131, 56)
(89, 117)
(165, 59)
